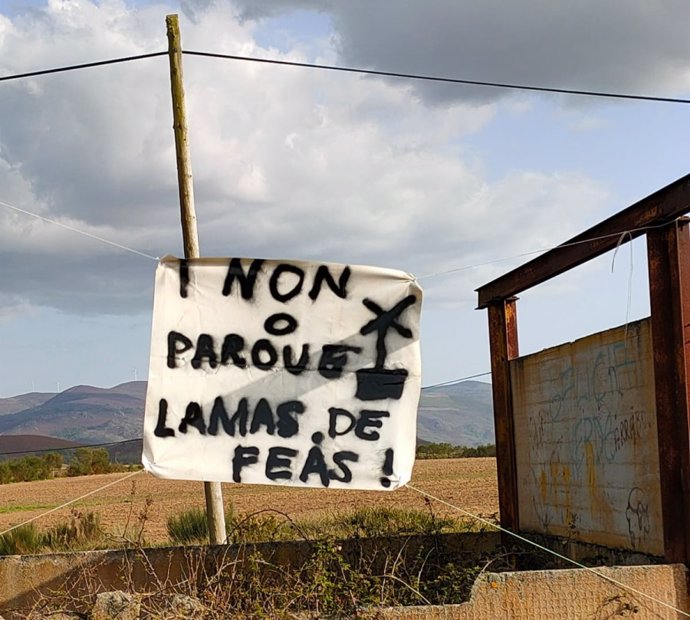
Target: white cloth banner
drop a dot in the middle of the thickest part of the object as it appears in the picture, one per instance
(283, 372)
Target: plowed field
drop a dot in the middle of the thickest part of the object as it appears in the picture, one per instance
(469, 484)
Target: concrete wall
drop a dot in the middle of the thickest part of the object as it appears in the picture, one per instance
(26, 580)
(529, 595)
(586, 443)
(566, 595)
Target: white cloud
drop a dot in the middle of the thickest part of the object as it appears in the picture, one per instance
(287, 162)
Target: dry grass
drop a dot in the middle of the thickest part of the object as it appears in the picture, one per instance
(467, 483)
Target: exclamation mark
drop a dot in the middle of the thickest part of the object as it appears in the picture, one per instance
(387, 468)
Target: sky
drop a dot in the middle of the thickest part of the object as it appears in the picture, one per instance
(454, 184)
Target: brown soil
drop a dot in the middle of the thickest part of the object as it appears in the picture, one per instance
(469, 484)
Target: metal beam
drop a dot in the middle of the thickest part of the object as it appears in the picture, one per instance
(668, 251)
(503, 343)
(661, 207)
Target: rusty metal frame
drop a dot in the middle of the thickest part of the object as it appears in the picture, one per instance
(660, 208)
(503, 342)
(668, 252)
(668, 257)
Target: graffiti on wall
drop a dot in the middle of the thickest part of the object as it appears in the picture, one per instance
(586, 440)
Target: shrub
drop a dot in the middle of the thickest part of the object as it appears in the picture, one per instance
(488, 449)
(439, 451)
(29, 468)
(393, 522)
(448, 451)
(191, 526)
(82, 531)
(258, 528)
(22, 540)
(89, 461)
(54, 460)
(5, 473)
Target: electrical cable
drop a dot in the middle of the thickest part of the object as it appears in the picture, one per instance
(67, 448)
(85, 65)
(357, 70)
(430, 78)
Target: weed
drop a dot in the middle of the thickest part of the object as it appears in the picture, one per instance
(393, 557)
(333, 585)
(191, 526)
(449, 583)
(22, 540)
(132, 534)
(81, 532)
(395, 522)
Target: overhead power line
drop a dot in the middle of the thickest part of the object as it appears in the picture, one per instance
(447, 80)
(86, 65)
(68, 448)
(394, 74)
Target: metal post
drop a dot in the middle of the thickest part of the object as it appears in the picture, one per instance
(503, 343)
(668, 256)
(212, 490)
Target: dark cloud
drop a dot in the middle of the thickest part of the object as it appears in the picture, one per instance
(258, 9)
(631, 46)
(115, 284)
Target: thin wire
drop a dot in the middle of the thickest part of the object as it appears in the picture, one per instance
(630, 277)
(430, 78)
(629, 302)
(72, 501)
(620, 584)
(66, 448)
(409, 76)
(475, 265)
(77, 230)
(454, 381)
(549, 249)
(86, 65)
(618, 245)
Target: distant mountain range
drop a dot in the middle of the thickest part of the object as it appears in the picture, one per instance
(83, 414)
(23, 401)
(459, 414)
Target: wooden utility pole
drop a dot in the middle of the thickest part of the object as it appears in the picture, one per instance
(213, 491)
